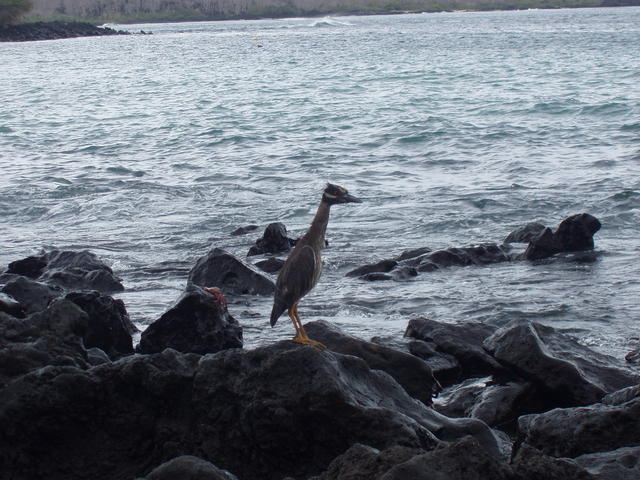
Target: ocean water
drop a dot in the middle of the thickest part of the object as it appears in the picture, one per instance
(454, 129)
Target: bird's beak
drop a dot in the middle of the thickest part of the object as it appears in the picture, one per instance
(351, 199)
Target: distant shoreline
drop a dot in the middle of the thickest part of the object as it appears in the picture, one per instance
(283, 13)
(74, 28)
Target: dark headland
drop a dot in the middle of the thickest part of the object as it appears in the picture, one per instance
(26, 32)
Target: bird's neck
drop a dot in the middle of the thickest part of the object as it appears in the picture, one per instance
(318, 226)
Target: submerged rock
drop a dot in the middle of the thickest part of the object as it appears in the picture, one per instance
(382, 266)
(244, 230)
(219, 268)
(274, 240)
(574, 234)
(572, 373)
(525, 234)
(198, 323)
(412, 373)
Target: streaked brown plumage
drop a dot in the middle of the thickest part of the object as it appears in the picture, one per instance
(302, 270)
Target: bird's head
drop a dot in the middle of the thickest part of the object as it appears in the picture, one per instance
(335, 194)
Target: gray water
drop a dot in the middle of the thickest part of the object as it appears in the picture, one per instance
(454, 128)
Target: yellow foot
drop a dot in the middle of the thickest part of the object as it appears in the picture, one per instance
(308, 341)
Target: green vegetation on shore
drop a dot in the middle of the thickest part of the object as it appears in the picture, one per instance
(291, 8)
(12, 10)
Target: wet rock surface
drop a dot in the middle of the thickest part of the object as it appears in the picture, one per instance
(51, 337)
(33, 296)
(462, 341)
(199, 322)
(109, 327)
(574, 234)
(525, 234)
(188, 467)
(244, 230)
(620, 464)
(498, 404)
(115, 420)
(274, 240)
(69, 270)
(572, 373)
(219, 268)
(10, 305)
(570, 432)
(52, 31)
(410, 372)
(270, 265)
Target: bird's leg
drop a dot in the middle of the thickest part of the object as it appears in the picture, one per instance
(301, 336)
(295, 323)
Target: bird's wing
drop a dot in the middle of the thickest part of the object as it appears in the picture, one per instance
(298, 275)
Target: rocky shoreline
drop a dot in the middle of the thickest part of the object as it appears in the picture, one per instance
(446, 401)
(26, 32)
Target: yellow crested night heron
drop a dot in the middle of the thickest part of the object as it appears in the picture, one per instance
(302, 270)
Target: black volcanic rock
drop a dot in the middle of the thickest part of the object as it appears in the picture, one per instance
(270, 265)
(274, 240)
(188, 467)
(244, 230)
(109, 327)
(219, 268)
(33, 296)
(10, 305)
(409, 371)
(570, 432)
(531, 464)
(462, 460)
(525, 234)
(31, 267)
(572, 373)
(382, 266)
(462, 341)
(412, 253)
(292, 407)
(498, 404)
(574, 234)
(620, 464)
(361, 462)
(633, 357)
(51, 337)
(70, 270)
(445, 367)
(197, 323)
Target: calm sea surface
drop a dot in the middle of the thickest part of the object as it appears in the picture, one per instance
(454, 128)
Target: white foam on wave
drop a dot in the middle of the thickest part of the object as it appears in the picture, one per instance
(329, 22)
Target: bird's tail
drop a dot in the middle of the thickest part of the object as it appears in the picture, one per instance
(277, 310)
